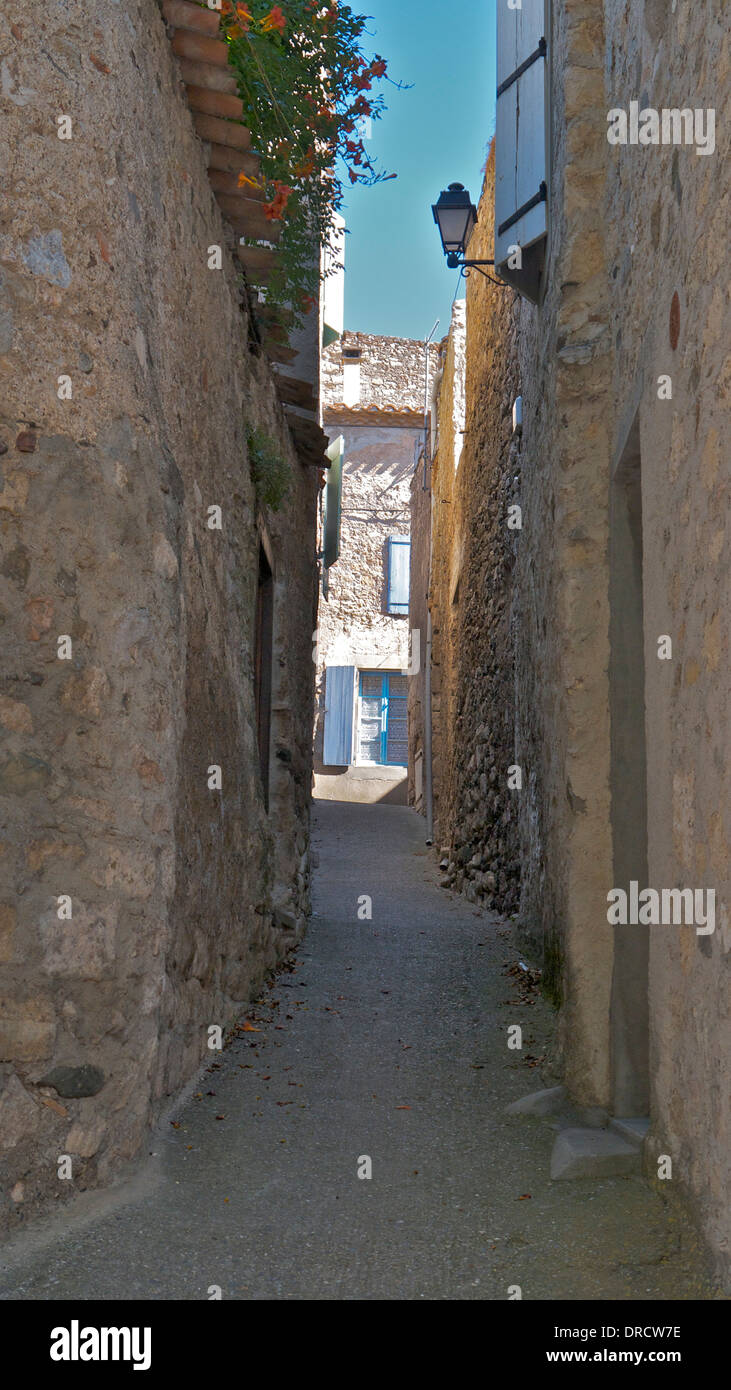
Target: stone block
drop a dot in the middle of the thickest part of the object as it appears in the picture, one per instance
(16, 716)
(84, 1080)
(7, 930)
(85, 692)
(19, 1114)
(82, 946)
(539, 1103)
(27, 1029)
(23, 774)
(592, 1153)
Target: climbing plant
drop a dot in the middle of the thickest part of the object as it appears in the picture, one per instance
(270, 472)
(307, 87)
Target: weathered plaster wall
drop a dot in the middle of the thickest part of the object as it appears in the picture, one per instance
(103, 525)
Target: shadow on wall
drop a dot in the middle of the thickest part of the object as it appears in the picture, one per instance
(365, 785)
(395, 797)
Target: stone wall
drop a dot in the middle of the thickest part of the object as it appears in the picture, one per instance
(474, 478)
(667, 211)
(108, 737)
(392, 370)
(420, 527)
(562, 655)
(634, 291)
(624, 543)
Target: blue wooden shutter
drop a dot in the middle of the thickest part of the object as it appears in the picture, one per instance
(399, 549)
(338, 739)
(521, 141)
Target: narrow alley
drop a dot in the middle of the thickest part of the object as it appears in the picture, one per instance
(386, 1039)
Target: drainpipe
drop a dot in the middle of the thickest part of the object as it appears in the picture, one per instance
(428, 795)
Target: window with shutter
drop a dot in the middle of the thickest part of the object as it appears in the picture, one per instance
(338, 733)
(382, 722)
(399, 550)
(522, 144)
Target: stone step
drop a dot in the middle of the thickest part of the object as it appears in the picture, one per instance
(547, 1102)
(592, 1153)
(633, 1130)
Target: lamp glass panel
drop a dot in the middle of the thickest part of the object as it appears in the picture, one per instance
(454, 223)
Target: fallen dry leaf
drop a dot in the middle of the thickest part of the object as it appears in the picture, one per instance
(54, 1105)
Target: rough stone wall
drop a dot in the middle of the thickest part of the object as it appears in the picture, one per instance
(104, 761)
(667, 212)
(482, 812)
(446, 561)
(636, 291)
(475, 477)
(561, 588)
(392, 370)
(420, 529)
(630, 228)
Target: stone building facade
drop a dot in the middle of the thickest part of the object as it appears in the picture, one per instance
(156, 683)
(373, 391)
(617, 577)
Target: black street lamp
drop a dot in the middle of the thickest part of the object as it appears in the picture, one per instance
(455, 215)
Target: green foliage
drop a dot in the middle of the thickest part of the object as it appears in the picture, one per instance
(270, 471)
(306, 87)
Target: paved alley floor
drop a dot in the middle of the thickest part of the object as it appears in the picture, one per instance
(387, 1041)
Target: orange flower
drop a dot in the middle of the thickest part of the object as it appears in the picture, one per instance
(253, 183)
(306, 166)
(245, 16)
(274, 210)
(274, 20)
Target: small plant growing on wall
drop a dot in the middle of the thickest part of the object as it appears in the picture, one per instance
(270, 472)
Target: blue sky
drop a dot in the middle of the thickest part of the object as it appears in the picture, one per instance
(436, 133)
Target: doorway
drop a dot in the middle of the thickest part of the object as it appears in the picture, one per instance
(629, 1019)
(263, 666)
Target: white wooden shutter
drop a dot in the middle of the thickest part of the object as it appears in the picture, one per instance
(338, 736)
(521, 139)
(399, 551)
